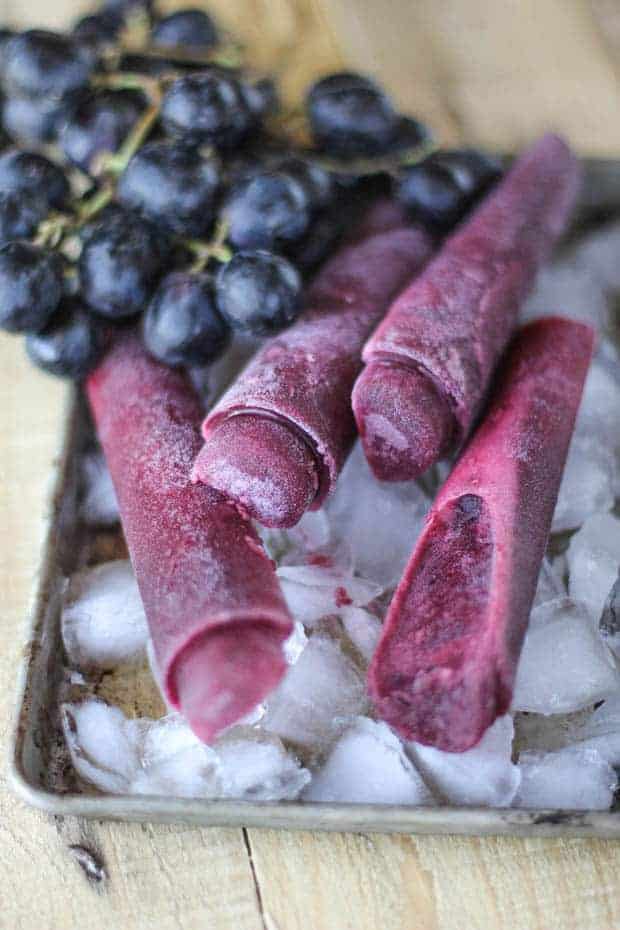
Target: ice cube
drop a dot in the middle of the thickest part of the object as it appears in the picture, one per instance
(593, 560)
(609, 625)
(600, 730)
(588, 481)
(362, 628)
(564, 665)
(99, 506)
(569, 288)
(598, 252)
(600, 404)
(380, 521)
(550, 583)
(102, 747)
(368, 765)
(301, 543)
(314, 591)
(482, 776)
(103, 620)
(295, 644)
(173, 761)
(255, 766)
(322, 687)
(566, 780)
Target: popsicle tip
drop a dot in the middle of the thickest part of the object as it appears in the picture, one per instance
(222, 675)
(264, 465)
(404, 423)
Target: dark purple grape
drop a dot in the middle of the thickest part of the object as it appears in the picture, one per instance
(20, 215)
(99, 122)
(122, 258)
(29, 171)
(473, 171)
(182, 325)
(31, 283)
(432, 194)
(351, 116)
(258, 292)
(207, 108)
(267, 210)
(38, 64)
(70, 345)
(315, 180)
(185, 28)
(98, 30)
(172, 184)
(32, 122)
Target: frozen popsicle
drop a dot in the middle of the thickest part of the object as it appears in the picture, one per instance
(278, 438)
(429, 362)
(216, 615)
(445, 665)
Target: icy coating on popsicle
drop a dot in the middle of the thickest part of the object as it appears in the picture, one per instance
(216, 615)
(303, 377)
(453, 322)
(445, 666)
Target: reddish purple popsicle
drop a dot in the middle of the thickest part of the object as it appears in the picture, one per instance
(215, 612)
(430, 360)
(278, 438)
(445, 665)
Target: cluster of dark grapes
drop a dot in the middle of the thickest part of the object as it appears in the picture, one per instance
(159, 187)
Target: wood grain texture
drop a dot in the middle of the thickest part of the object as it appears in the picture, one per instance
(488, 72)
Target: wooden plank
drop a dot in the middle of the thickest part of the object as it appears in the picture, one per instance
(496, 73)
(160, 876)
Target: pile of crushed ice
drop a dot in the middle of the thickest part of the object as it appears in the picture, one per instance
(315, 738)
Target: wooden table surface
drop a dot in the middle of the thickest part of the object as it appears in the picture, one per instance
(489, 72)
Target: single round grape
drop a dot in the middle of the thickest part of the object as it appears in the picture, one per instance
(315, 180)
(473, 171)
(32, 122)
(206, 108)
(29, 171)
(172, 184)
(126, 7)
(267, 210)
(315, 246)
(38, 63)
(431, 192)
(31, 284)
(259, 292)
(70, 345)
(97, 30)
(182, 325)
(350, 115)
(20, 215)
(99, 122)
(260, 96)
(121, 261)
(185, 28)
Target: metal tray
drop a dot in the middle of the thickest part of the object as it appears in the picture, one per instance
(40, 769)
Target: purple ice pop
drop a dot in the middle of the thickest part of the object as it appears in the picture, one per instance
(277, 440)
(445, 665)
(216, 615)
(429, 362)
